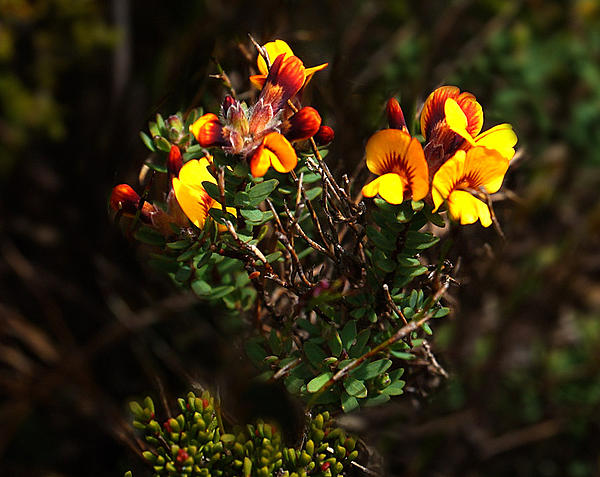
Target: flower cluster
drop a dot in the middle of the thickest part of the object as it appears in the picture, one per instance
(458, 164)
(262, 135)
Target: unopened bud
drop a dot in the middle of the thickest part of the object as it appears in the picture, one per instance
(175, 161)
(227, 102)
(124, 198)
(324, 136)
(175, 127)
(303, 124)
(395, 115)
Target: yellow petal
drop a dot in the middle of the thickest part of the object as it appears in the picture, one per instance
(485, 168)
(195, 172)
(466, 209)
(312, 70)
(195, 203)
(502, 138)
(274, 49)
(391, 188)
(456, 119)
(447, 177)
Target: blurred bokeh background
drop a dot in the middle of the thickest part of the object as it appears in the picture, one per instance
(85, 326)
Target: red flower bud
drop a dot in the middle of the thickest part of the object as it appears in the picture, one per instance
(395, 115)
(127, 201)
(175, 161)
(124, 198)
(303, 124)
(227, 102)
(325, 466)
(324, 136)
(254, 274)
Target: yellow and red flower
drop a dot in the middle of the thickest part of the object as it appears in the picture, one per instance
(191, 195)
(399, 161)
(259, 133)
(477, 169)
(452, 120)
(274, 49)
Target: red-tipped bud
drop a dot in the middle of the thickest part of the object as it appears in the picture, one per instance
(124, 198)
(208, 130)
(303, 124)
(324, 136)
(227, 102)
(175, 161)
(395, 115)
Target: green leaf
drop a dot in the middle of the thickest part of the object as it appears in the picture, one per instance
(162, 144)
(220, 292)
(349, 403)
(253, 215)
(241, 199)
(183, 274)
(314, 353)
(219, 216)
(361, 341)
(212, 189)
(261, 191)
(441, 312)
(355, 387)
(149, 236)
(201, 288)
(147, 141)
(157, 164)
(372, 370)
(315, 384)
(255, 352)
(394, 389)
(379, 240)
(434, 218)
(348, 334)
(335, 343)
(420, 241)
(377, 400)
(312, 194)
(178, 245)
(402, 355)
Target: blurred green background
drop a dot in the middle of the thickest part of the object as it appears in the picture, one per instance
(85, 326)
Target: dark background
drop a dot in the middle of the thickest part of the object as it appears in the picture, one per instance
(86, 325)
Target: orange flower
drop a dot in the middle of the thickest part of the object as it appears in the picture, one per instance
(477, 169)
(399, 161)
(274, 49)
(275, 151)
(254, 133)
(452, 120)
(191, 195)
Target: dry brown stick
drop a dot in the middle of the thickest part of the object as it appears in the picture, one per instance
(281, 372)
(311, 242)
(392, 305)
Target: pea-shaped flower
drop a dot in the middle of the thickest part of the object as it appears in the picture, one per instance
(398, 160)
